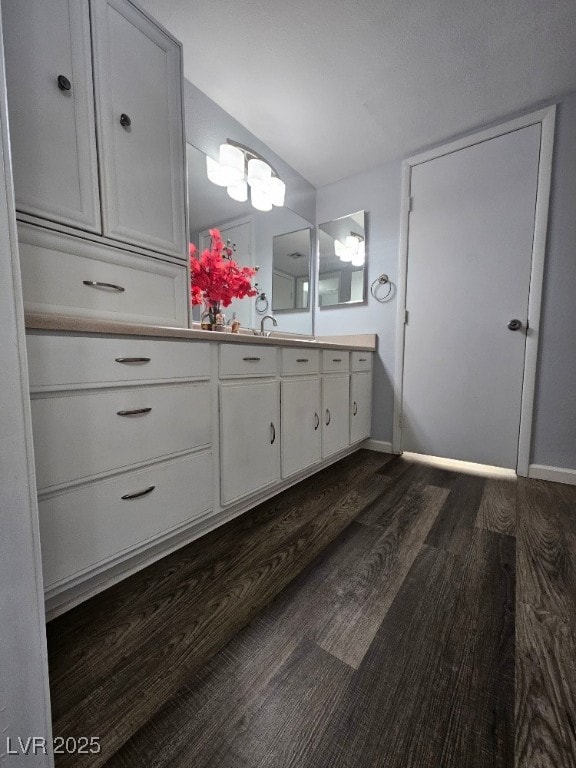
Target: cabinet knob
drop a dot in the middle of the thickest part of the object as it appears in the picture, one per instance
(355, 409)
(63, 83)
(125, 121)
(328, 416)
(99, 284)
(317, 421)
(273, 433)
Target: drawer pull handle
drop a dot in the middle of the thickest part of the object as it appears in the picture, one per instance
(302, 360)
(138, 494)
(251, 359)
(317, 421)
(273, 432)
(125, 121)
(362, 359)
(135, 412)
(328, 416)
(355, 411)
(133, 359)
(63, 83)
(336, 359)
(98, 284)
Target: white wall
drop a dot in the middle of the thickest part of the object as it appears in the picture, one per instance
(377, 192)
(554, 437)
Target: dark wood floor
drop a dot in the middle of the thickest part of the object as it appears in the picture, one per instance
(367, 617)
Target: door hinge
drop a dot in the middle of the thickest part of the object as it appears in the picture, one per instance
(405, 317)
(410, 204)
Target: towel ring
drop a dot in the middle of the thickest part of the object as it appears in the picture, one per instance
(261, 304)
(382, 280)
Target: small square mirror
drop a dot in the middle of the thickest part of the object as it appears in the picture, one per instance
(342, 261)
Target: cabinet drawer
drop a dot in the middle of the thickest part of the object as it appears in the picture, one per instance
(81, 435)
(56, 361)
(334, 360)
(361, 361)
(247, 360)
(300, 361)
(59, 272)
(83, 527)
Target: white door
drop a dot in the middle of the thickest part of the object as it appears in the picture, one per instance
(249, 438)
(51, 102)
(137, 71)
(469, 260)
(335, 413)
(301, 431)
(360, 406)
(241, 238)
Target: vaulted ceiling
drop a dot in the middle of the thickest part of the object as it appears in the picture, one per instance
(337, 86)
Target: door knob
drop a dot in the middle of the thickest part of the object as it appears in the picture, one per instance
(515, 325)
(63, 83)
(125, 121)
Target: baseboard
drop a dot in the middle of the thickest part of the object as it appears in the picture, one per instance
(377, 445)
(554, 474)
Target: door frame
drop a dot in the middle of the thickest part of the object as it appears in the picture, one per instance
(546, 118)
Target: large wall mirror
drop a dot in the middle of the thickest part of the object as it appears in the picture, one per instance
(277, 241)
(342, 267)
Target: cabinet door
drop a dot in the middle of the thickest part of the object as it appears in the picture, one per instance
(52, 126)
(360, 406)
(335, 418)
(301, 432)
(137, 72)
(249, 438)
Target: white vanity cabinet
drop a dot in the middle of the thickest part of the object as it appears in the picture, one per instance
(143, 444)
(301, 408)
(249, 420)
(360, 396)
(51, 104)
(123, 447)
(335, 401)
(75, 64)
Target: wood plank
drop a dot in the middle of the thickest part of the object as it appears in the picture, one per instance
(144, 679)
(497, 510)
(547, 547)
(436, 685)
(374, 580)
(285, 725)
(545, 690)
(453, 527)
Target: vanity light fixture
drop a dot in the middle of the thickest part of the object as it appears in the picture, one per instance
(240, 167)
(351, 250)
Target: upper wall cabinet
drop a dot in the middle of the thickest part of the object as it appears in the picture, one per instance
(136, 82)
(51, 105)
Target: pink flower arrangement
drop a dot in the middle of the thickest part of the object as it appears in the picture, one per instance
(215, 278)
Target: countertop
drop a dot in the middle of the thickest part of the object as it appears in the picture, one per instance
(64, 323)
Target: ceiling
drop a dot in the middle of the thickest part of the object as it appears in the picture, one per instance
(335, 87)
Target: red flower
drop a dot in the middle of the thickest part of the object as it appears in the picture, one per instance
(215, 277)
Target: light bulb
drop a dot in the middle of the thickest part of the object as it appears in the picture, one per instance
(277, 191)
(215, 172)
(232, 163)
(260, 197)
(258, 171)
(352, 242)
(239, 191)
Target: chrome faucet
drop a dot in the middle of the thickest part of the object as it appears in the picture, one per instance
(274, 323)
